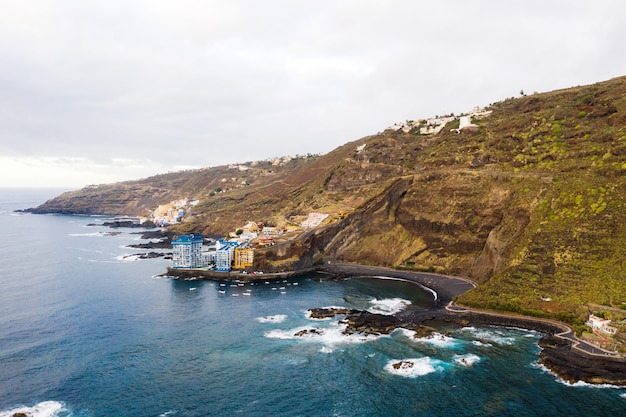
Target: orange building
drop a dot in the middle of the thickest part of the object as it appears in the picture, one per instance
(244, 257)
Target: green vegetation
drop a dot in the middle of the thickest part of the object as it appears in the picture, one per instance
(531, 205)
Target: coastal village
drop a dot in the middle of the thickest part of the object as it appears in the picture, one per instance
(235, 252)
(434, 125)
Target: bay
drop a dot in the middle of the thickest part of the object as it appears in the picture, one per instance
(86, 331)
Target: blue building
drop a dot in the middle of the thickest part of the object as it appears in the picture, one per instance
(187, 251)
(224, 254)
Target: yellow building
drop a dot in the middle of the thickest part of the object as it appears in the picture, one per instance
(244, 257)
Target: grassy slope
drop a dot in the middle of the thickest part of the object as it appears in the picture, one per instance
(572, 251)
(531, 205)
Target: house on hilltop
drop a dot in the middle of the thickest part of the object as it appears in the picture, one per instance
(601, 325)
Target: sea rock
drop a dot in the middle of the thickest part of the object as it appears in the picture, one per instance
(403, 365)
(329, 312)
(149, 255)
(372, 323)
(129, 223)
(421, 330)
(305, 332)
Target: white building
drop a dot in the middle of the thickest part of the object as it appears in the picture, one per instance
(224, 255)
(601, 325)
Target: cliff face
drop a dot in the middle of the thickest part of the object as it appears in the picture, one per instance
(531, 203)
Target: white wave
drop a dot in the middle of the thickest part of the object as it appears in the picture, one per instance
(430, 290)
(623, 395)
(329, 337)
(587, 384)
(479, 343)
(326, 349)
(496, 337)
(413, 367)
(388, 306)
(86, 234)
(277, 318)
(43, 409)
(101, 262)
(128, 258)
(439, 339)
(545, 369)
(468, 359)
(168, 413)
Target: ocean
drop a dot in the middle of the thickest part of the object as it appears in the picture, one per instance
(87, 329)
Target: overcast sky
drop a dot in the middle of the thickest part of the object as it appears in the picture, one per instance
(102, 91)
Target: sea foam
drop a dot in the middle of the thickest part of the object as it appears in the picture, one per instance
(278, 318)
(440, 340)
(388, 306)
(43, 409)
(98, 234)
(468, 359)
(328, 336)
(413, 367)
(496, 337)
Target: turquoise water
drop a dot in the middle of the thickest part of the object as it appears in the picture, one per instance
(87, 332)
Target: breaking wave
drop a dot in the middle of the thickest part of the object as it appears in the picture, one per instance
(43, 409)
(329, 337)
(388, 306)
(278, 318)
(413, 367)
(468, 359)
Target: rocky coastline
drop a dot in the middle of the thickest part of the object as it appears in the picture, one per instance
(559, 353)
(560, 350)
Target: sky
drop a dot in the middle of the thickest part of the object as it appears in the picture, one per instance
(96, 92)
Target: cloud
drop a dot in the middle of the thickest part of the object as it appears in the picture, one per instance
(202, 83)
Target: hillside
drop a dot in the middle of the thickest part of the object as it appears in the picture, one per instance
(530, 203)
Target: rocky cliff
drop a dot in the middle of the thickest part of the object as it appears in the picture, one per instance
(530, 202)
